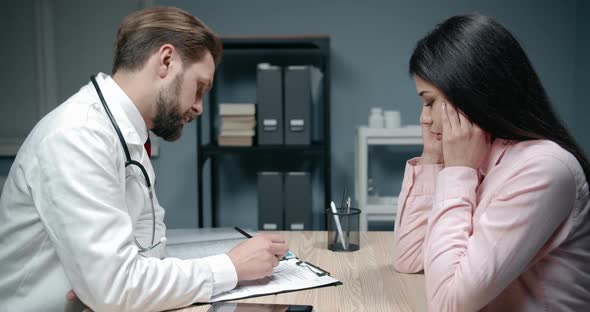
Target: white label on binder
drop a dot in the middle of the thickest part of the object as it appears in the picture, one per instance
(269, 226)
(269, 124)
(296, 124)
(297, 226)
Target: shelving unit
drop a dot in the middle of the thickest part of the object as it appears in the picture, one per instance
(282, 51)
(378, 208)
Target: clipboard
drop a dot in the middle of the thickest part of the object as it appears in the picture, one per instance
(284, 280)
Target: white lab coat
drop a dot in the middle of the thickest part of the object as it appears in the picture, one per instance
(68, 216)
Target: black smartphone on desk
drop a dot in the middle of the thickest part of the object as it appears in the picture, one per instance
(258, 307)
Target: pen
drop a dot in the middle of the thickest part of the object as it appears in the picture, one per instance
(343, 197)
(287, 256)
(242, 232)
(338, 227)
(348, 205)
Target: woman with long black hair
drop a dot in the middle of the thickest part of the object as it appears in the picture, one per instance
(496, 209)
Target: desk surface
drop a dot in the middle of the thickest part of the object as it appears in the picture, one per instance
(370, 282)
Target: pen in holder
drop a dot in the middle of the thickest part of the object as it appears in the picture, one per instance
(343, 229)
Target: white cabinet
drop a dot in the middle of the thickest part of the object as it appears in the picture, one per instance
(378, 208)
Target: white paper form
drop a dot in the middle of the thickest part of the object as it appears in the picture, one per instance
(199, 243)
(201, 249)
(287, 276)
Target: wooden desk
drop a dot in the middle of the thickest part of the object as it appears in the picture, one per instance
(370, 282)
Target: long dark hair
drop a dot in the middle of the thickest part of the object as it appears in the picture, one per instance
(483, 70)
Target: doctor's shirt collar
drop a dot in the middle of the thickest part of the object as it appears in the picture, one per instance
(133, 126)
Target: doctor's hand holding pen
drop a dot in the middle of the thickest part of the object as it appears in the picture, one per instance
(256, 257)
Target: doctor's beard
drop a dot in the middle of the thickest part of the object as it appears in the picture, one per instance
(168, 119)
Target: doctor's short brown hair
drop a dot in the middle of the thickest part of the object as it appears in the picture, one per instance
(143, 32)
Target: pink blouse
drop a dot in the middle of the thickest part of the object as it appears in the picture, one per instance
(511, 236)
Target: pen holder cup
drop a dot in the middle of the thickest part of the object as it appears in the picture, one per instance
(343, 229)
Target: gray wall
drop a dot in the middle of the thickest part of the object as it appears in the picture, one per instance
(18, 72)
(84, 34)
(582, 76)
(18, 29)
(371, 45)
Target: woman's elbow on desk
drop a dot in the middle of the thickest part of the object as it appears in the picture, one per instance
(408, 265)
(451, 299)
(408, 261)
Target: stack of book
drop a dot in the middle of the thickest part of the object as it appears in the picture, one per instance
(238, 124)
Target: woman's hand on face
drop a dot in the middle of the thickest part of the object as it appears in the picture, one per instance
(432, 152)
(465, 144)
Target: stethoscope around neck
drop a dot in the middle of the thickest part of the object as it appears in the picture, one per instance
(130, 163)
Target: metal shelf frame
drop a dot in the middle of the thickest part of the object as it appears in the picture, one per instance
(314, 47)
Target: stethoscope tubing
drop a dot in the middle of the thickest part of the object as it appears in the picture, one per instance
(130, 162)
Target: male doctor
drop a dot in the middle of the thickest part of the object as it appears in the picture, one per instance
(74, 217)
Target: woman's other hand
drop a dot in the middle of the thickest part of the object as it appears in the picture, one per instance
(465, 144)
